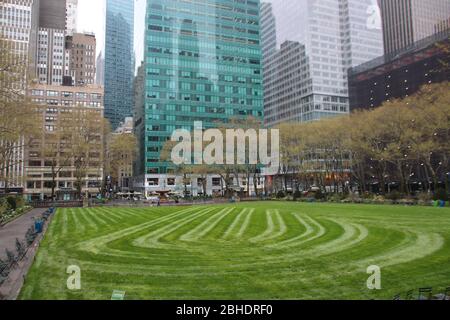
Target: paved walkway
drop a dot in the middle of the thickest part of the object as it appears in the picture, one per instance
(8, 234)
(16, 229)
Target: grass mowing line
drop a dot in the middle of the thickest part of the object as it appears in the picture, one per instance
(64, 223)
(111, 213)
(424, 245)
(95, 218)
(269, 230)
(102, 217)
(281, 226)
(245, 224)
(85, 215)
(79, 226)
(308, 230)
(206, 226)
(234, 224)
(151, 240)
(95, 245)
(343, 242)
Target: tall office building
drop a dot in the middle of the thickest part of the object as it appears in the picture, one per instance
(119, 60)
(100, 70)
(52, 14)
(203, 63)
(308, 47)
(81, 49)
(51, 59)
(18, 26)
(408, 21)
(71, 16)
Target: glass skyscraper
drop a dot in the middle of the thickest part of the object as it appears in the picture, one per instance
(202, 63)
(308, 47)
(119, 60)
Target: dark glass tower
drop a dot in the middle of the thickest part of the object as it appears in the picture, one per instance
(119, 60)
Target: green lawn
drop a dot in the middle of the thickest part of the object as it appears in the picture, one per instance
(270, 250)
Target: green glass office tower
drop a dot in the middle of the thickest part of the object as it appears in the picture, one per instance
(202, 63)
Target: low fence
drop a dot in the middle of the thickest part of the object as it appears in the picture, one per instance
(56, 204)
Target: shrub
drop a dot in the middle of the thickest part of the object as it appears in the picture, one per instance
(3, 206)
(319, 195)
(425, 197)
(336, 197)
(281, 194)
(394, 195)
(379, 200)
(297, 195)
(440, 194)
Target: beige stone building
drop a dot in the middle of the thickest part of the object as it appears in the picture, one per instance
(81, 48)
(40, 171)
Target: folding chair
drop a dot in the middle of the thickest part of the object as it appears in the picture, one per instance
(396, 297)
(425, 293)
(443, 296)
(409, 295)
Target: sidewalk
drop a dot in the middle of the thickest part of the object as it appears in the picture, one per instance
(10, 289)
(16, 229)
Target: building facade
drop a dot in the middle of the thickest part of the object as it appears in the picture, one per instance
(71, 16)
(59, 101)
(407, 21)
(52, 14)
(308, 46)
(100, 70)
(203, 63)
(18, 26)
(52, 57)
(81, 49)
(387, 78)
(119, 60)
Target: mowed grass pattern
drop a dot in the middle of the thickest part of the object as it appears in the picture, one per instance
(270, 250)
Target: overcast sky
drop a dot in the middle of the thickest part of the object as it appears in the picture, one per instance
(91, 18)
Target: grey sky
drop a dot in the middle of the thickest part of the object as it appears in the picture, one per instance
(91, 18)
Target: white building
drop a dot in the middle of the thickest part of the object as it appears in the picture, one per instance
(71, 16)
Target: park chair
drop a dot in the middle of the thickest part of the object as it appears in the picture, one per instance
(409, 295)
(118, 295)
(425, 293)
(443, 296)
(396, 297)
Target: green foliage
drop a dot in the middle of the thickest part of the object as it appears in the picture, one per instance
(440, 194)
(297, 195)
(337, 197)
(319, 195)
(281, 194)
(394, 195)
